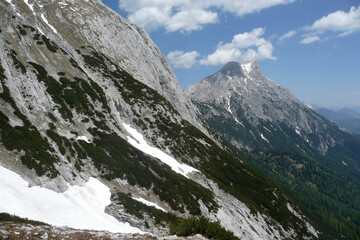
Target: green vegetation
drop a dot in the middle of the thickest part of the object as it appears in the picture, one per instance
(217, 164)
(114, 157)
(37, 151)
(330, 200)
(51, 46)
(5, 217)
(138, 209)
(17, 63)
(54, 88)
(178, 226)
(193, 226)
(21, 30)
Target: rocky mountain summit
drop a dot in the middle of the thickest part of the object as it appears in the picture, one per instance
(253, 112)
(96, 134)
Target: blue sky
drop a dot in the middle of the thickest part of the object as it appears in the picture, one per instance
(311, 47)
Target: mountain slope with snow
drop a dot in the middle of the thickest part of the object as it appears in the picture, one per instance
(85, 95)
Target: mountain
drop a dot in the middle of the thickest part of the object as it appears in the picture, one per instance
(97, 134)
(313, 159)
(346, 117)
(252, 112)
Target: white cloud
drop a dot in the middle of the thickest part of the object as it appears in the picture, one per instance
(310, 39)
(287, 35)
(344, 23)
(180, 59)
(244, 46)
(188, 15)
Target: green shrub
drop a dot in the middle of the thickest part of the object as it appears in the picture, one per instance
(201, 225)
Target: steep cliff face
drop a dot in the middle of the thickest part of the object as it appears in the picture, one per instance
(90, 23)
(88, 105)
(252, 112)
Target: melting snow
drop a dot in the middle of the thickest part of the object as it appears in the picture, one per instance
(137, 140)
(148, 203)
(80, 207)
(228, 105)
(344, 163)
(262, 136)
(47, 23)
(30, 6)
(239, 122)
(266, 129)
(84, 138)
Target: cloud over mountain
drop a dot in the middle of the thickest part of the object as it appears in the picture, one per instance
(244, 46)
(186, 15)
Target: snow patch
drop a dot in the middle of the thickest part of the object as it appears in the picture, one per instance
(310, 228)
(264, 138)
(30, 6)
(84, 138)
(148, 203)
(138, 141)
(298, 131)
(267, 129)
(236, 120)
(47, 23)
(345, 164)
(228, 105)
(80, 207)
(246, 67)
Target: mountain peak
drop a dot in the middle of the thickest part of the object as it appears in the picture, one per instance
(240, 68)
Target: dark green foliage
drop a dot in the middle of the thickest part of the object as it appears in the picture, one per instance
(54, 88)
(116, 158)
(39, 42)
(37, 37)
(21, 30)
(27, 138)
(5, 217)
(49, 44)
(330, 200)
(217, 164)
(193, 226)
(52, 117)
(17, 63)
(138, 209)
(57, 139)
(31, 28)
(36, 149)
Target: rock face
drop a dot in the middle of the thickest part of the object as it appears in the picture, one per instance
(252, 112)
(86, 94)
(90, 23)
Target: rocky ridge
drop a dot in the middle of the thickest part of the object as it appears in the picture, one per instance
(65, 101)
(253, 112)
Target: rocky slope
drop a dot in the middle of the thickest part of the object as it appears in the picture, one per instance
(88, 104)
(252, 112)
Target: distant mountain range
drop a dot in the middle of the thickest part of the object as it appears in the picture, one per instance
(349, 118)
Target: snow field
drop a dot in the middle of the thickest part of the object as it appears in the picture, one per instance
(138, 141)
(80, 207)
